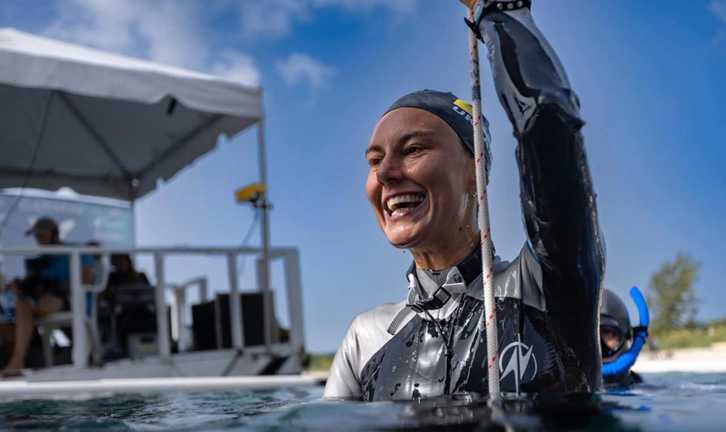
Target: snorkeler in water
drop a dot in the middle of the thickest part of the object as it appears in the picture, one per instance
(421, 185)
(620, 343)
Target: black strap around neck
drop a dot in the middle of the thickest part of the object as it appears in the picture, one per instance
(469, 268)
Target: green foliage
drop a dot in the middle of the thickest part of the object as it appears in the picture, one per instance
(319, 362)
(697, 337)
(671, 295)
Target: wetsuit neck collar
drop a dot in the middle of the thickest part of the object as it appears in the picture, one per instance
(468, 270)
(470, 267)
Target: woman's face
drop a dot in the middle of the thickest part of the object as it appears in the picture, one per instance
(421, 180)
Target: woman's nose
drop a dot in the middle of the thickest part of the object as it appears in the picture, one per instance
(389, 171)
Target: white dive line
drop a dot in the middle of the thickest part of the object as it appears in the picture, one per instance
(490, 317)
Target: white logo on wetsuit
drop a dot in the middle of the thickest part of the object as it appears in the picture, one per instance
(520, 361)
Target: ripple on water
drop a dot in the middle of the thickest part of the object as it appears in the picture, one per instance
(666, 402)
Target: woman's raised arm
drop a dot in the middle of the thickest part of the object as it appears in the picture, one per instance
(557, 195)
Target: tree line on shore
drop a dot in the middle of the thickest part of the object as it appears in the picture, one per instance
(672, 300)
(671, 295)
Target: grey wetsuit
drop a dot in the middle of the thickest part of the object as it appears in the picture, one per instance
(546, 298)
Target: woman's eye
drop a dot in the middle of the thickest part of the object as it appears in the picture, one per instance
(374, 162)
(413, 150)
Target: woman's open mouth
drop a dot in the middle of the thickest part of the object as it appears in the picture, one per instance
(403, 204)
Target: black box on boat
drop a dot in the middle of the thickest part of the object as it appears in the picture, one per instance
(211, 328)
(204, 332)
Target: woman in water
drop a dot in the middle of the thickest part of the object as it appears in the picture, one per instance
(421, 185)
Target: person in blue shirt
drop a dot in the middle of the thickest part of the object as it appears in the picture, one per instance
(44, 290)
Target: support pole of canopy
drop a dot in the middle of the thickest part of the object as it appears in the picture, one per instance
(264, 270)
(162, 323)
(264, 283)
(235, 310)
(294, 299)
(78, 306)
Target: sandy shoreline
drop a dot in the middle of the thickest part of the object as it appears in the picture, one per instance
(704, 360)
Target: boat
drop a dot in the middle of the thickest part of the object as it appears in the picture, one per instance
(110, 128)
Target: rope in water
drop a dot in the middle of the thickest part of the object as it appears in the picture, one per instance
(490, 320)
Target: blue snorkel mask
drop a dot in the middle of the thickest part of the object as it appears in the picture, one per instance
(626, 360)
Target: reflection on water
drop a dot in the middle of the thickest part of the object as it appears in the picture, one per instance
(667, 402)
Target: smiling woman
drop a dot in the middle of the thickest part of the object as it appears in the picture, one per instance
(421, 185)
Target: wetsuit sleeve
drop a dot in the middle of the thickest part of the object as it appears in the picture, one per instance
(555, 185)
(343, 382)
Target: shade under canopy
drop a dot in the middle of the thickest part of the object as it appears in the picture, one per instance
(105, 124)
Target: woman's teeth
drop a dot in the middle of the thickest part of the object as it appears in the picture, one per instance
(400, 204)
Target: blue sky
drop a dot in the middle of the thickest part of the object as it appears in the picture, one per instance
(649, 75)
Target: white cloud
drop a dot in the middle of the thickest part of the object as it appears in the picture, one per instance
(90, 23)
(300, 68)
(172, 31)
(236, 67)
(274, 18)
(166, 31)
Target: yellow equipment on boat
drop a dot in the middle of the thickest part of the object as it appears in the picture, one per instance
(250, 193)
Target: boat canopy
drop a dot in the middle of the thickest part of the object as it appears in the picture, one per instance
(105, 124)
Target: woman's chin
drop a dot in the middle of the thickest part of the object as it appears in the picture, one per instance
(403, 240)
(409, 232)
(400, 244)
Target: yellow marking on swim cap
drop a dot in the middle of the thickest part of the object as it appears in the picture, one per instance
(464, 105)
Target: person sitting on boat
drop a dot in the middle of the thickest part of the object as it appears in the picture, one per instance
(136, 316)
(621, 343)
(124, 273)
(44, 290)
(421, 185)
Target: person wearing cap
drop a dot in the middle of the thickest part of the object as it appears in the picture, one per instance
(619, 341)
(44, 290)
(421, 185)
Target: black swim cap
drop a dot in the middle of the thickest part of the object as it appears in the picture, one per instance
(456, 112)
(614, 313)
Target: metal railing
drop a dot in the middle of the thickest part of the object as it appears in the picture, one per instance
(291, 265)
(178, 316)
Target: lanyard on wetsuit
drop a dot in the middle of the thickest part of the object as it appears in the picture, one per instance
(468, 270)
(437, 300)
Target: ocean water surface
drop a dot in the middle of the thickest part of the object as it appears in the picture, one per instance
(665, 402)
